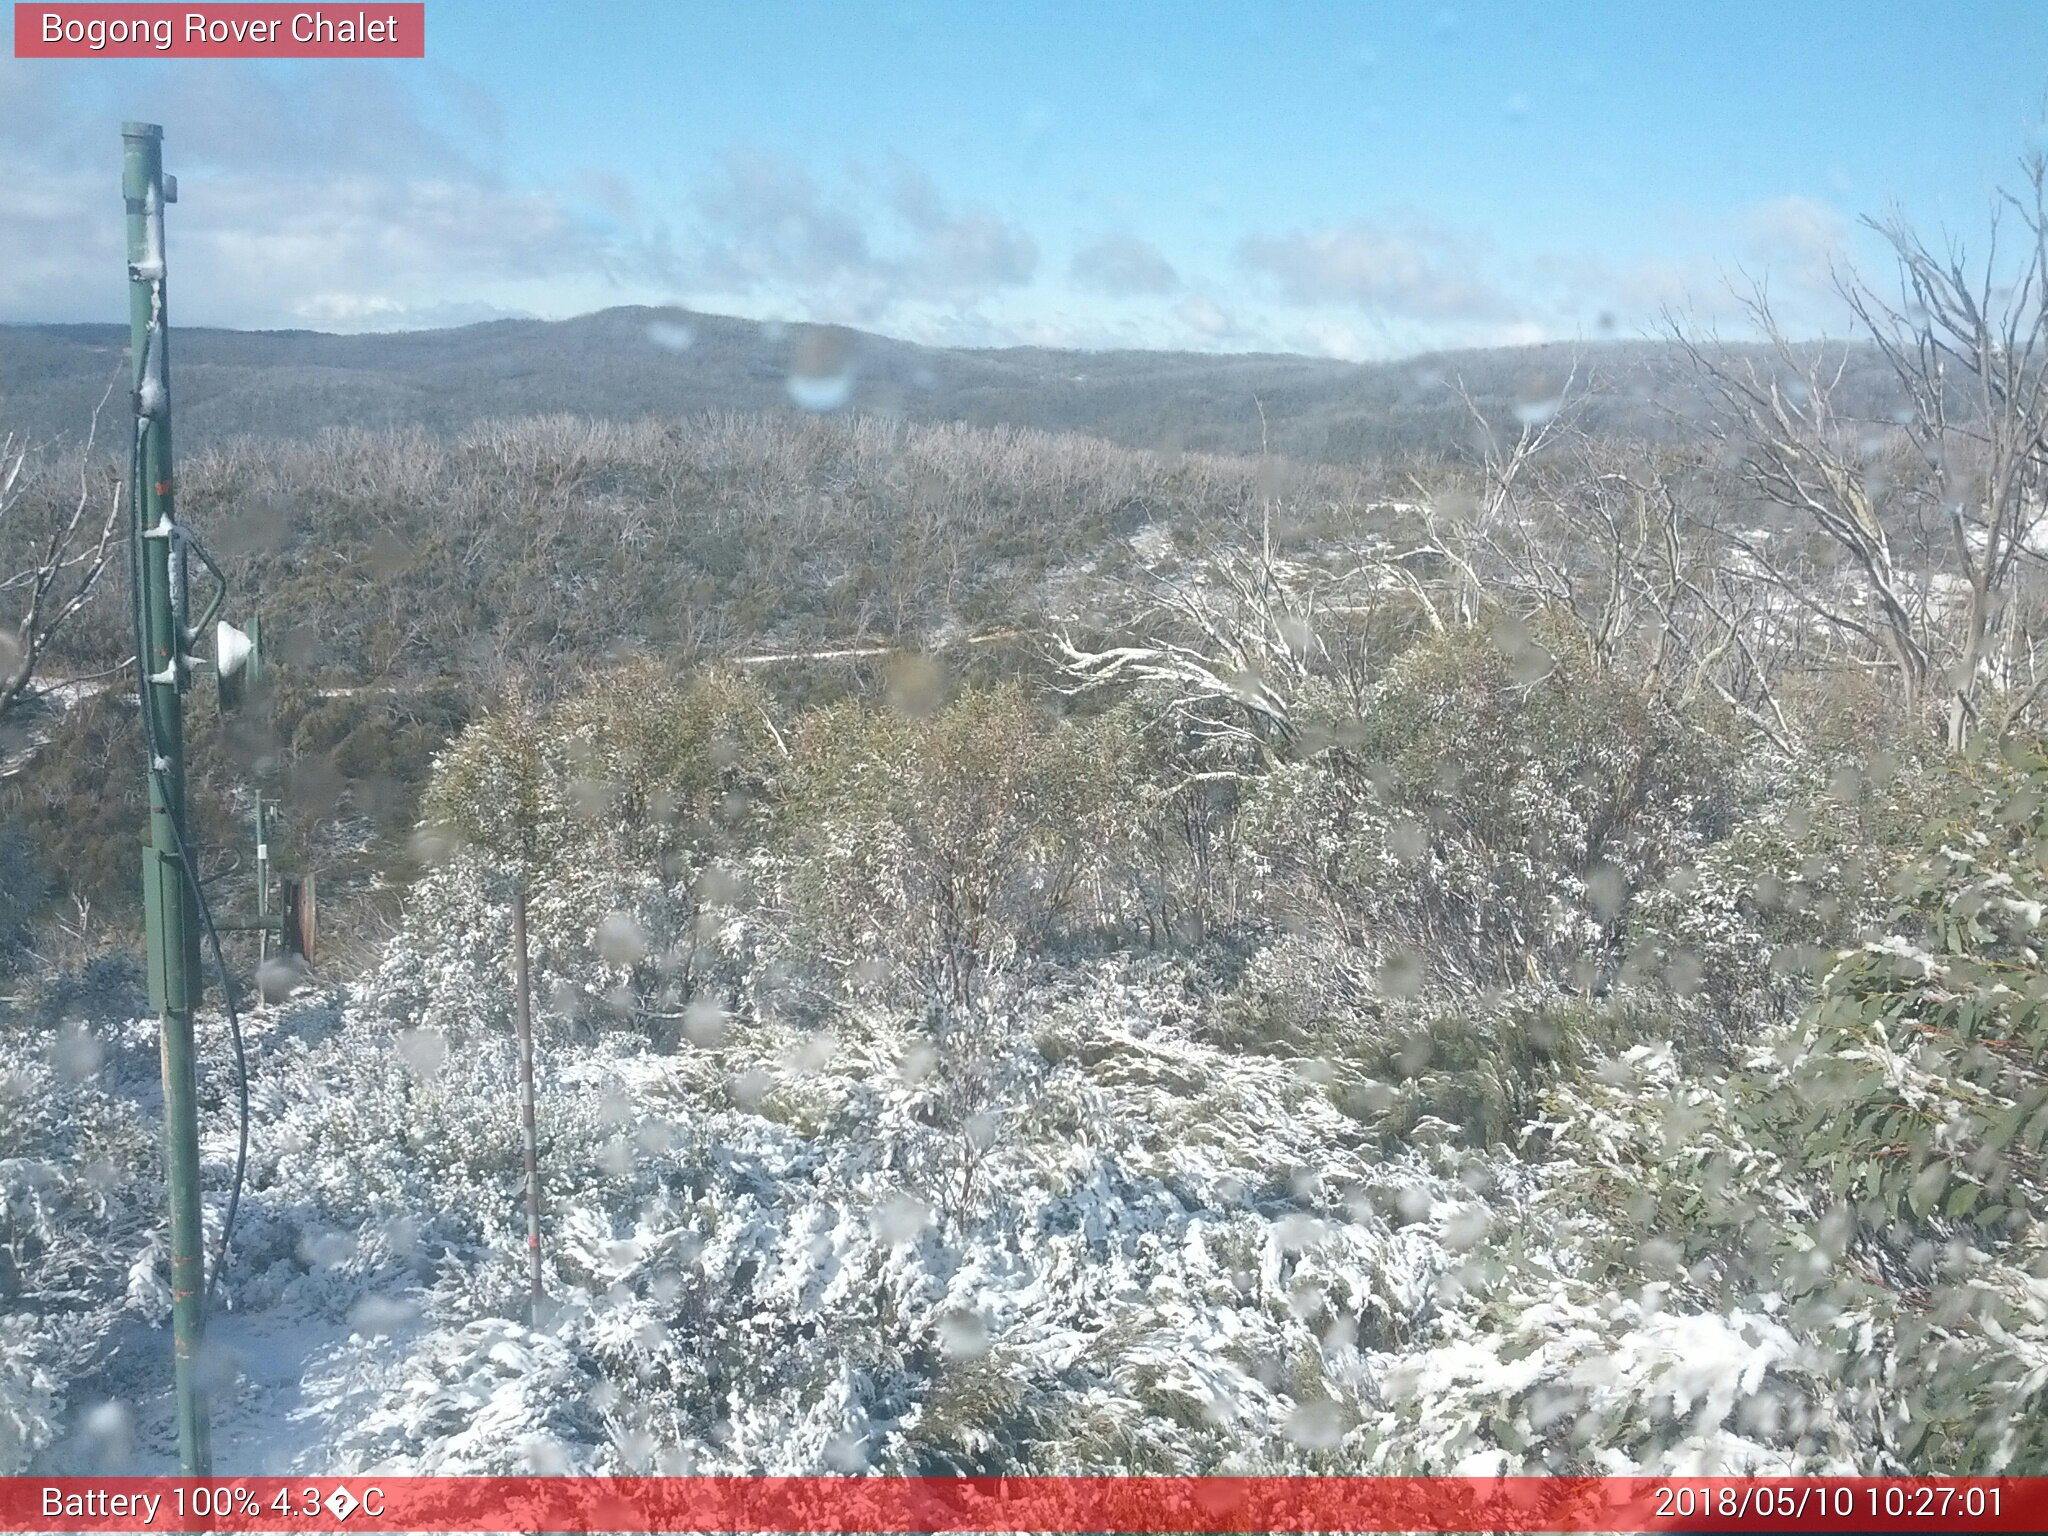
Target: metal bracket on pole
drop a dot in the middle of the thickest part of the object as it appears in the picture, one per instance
(293, 927)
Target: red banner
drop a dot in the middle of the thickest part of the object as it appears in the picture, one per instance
(1059, 1504)
(102, 31)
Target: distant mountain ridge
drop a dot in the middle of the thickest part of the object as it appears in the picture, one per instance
(629, 363)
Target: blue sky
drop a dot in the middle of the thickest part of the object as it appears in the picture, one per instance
(1352, 179)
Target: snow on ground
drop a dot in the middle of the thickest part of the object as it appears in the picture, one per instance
(784, 1256)
(262, 1424)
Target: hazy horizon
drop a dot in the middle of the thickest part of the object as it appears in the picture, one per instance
(772, 323)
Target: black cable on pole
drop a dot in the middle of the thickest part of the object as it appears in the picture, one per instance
(181, 838)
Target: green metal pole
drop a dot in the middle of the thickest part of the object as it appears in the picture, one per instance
(173, 925)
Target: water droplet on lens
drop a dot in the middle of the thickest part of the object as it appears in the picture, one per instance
(75, 1053)
(821, 375)
(963, 1336)
(277, 976)
(1317, 1426)
(900, 1218)
(670, 334)
(619, 940)
(704, 1022)
(424, 1051)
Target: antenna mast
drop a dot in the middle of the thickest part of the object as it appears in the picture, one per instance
(169, 885)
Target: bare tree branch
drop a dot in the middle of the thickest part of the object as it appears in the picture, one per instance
(64, 566)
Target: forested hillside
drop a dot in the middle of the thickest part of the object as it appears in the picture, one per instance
(625, 364)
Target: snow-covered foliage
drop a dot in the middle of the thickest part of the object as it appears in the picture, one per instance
(615, 809)
(1490, 817)
(1753, 917)
(21, 888)
(928, 852)
(1485, 1125)
(782, 1253)
(1829, 1258)
(78, 1193)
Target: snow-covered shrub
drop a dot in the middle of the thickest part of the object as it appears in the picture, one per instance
(1749, 923)
(1914, 1099)
(1831, 1258)
(21, 891)
(80, 1197)
(1486, 822)
(1449, 886)
(1149, 1252)
(1474, 1068)
(626, 811)
(39, 1359)
(488, 1398)
(938, 847)
(1608, 1322)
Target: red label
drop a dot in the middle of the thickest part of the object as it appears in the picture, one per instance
(871, 1505)
(102, 31)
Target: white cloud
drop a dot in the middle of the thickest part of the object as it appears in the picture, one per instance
(1795, 231)
(1123, 266)
(1333, 338)
(866, 249)
(1418, 273)
(1207, 319)
(360, 311)
(332, 203)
